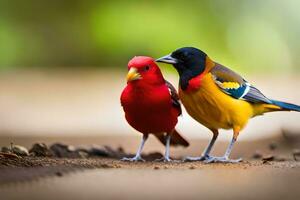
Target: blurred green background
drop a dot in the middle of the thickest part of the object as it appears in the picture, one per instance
(249, 35)
(63, 63)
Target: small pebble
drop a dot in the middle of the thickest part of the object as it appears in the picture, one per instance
(40, 149)
(112, 153)
(296, 154)
(20, 150)
(156, 168)
(64, 151)
(71, 148)
(5, 150)
(98, 151)
(268, 158)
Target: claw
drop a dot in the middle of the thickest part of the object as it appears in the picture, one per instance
(193, 159)
(134, 159)
(222, 160)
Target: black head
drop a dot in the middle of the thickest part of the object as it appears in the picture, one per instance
(188, 61)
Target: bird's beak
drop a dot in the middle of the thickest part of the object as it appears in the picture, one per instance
(167, 59)
(133, 75)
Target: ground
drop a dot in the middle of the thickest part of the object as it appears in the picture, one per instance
(114, 179)
(274, 176)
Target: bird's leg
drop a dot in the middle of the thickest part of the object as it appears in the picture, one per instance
(205, 155)
(225, 158)
(167, 153)
(166, 157)
(138, 157)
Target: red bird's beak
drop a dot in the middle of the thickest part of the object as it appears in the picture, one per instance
(133, 75)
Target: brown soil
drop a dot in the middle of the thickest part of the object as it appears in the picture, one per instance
(28, 168)
(269, 171)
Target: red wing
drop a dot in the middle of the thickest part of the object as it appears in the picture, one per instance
(174, 97)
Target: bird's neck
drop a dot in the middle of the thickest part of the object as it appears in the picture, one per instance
(191, 80)
(194, 83)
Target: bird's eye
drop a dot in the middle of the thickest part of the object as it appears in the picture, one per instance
(181, 56)
(146, 68)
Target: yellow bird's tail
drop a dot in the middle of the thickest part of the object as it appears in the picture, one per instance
(260, 109)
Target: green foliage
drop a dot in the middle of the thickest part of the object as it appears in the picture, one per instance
(246, 35)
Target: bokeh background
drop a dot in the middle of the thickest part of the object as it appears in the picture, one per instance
(63, 63)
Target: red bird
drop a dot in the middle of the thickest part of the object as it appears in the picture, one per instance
(151, 105)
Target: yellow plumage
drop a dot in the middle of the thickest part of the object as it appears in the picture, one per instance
(230, 85)
(218, 97)
(215, 109)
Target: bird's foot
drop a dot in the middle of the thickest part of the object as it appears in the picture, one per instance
(223, 159)
(200, 158)
(134, 159)
(165, 159)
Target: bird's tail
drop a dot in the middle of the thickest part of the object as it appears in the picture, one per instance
(286, 106)
(260, 109)
(176, 139)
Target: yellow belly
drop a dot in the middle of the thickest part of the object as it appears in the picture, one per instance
(215, 109)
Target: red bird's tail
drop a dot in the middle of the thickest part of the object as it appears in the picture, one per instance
(176, 139)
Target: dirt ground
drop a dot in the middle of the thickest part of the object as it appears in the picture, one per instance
(270, 170)
(36, 167)
(114, 179)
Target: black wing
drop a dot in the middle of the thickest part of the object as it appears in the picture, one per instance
(174, 97)
(234, 85)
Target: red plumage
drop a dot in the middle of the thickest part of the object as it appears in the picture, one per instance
(150, 103)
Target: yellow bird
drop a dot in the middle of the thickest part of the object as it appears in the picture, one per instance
(217, 97)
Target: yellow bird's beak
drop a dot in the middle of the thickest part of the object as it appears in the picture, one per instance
(133, 75)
